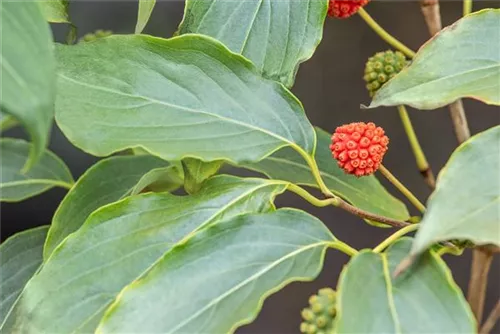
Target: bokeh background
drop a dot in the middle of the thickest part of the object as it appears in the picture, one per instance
(331, 88)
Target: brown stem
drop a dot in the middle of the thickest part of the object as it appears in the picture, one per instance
(491, 320)
(429, 178)
(368, 215)
(481, 263)
(459, 121)
(430, 10)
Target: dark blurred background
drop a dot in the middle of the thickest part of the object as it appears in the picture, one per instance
(331, 88)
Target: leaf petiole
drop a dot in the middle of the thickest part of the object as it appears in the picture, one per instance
(393, 237)
(405, 191)
(343, 247)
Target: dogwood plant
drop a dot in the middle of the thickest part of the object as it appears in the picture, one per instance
(123, 254)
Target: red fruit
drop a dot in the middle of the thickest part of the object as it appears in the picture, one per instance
(359, 147)
(345, 8)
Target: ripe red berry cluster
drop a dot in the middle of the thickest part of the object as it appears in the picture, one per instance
(359, 147)
(345, 8)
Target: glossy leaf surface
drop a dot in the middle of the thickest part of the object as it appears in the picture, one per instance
(275, 35)
(117, 244)
(466, 202)
(422, 300)
(218, 279)
(461, 61)
(183, 97)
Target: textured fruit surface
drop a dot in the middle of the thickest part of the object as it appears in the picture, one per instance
(319, 316)
(344, 8)
(359, 147)
(382, 67)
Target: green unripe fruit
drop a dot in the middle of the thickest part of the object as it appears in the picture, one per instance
(96, 35)
(382, 67)
(319, 316)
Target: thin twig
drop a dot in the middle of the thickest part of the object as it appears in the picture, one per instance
(430, 10)
(491, 320)
(481, 263)
(371, 216)
(459, 121)
(340, 203)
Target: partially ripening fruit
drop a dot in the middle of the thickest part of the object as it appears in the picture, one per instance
(344, 8)
(381, 68)
(359, 147)
(319, 316)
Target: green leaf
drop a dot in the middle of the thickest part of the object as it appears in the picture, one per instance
(55, 11)
(217, 280)
(187, 96)
(365, 193)
(461, 61)
(107, 181)
(143, 14)
(197, 171)
(15, 186)
(117, 244)
(28, 72)
(466, 202)
(275, 35)
(424, 300)
(20, 257)
(7, 122)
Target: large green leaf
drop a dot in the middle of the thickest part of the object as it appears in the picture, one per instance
(466, 202)
(16, 186)
(117, 244)
(107, 181)
(461, 61)
(183, 97)
(28, 71)
(143, 13)
(275, 35)
(217, 280)
(423, 300)
(20, 257)
(365, 192)
(55, 11)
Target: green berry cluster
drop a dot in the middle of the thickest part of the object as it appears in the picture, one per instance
(382, 67)
(96, 35)
(319, 316)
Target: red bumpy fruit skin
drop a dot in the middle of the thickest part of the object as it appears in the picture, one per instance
(359, 147)
(344, 8)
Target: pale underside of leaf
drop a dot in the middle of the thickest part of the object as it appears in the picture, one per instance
(461, 61)
(16, 186)
(118, 243)
(275, 35)
(423, 300)
(184, 97)
(220, 277)
(466, 202)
